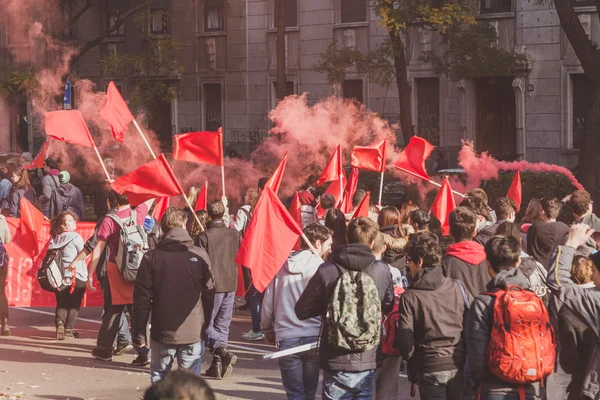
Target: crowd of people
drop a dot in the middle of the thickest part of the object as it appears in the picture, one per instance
(379, 294)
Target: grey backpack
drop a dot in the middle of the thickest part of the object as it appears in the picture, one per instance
(353, 318)
(133, 244)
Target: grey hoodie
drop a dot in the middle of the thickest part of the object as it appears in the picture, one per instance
(278, 316)
(71, 244)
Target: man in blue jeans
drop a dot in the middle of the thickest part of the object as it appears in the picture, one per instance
(299, 372)
(175, 283)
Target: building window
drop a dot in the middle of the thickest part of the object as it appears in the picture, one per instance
(495, 6)
(160, 21)
(582, 98)
(428, 109)
(583, 3)
(212, 106)
(290, 89)
(353, 89)
(112, 19)
(353, 10)
(214, 16)
(111, 50)
(67, 10)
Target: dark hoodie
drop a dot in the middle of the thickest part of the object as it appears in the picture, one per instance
(175, 283)
(315, 298)
(542, 237)
(479, 328)
(66, 197)
(466, 261)
(431, 323)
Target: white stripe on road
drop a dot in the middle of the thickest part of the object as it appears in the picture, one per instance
(93, 321)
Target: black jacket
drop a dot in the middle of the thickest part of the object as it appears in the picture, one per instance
(315, 298)
(175, 283)
(431, 323)
(466, 261)
(222, 244)
(542, 237)
(479, 328)
(66, 197)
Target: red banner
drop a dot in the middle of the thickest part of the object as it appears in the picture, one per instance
(22, 287)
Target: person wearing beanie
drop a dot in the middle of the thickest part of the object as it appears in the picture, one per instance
(66, 197)
(49, 184)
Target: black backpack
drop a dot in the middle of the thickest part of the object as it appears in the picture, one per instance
(50, 276)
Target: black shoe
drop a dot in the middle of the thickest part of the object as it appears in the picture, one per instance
(216, 368)
(101, 355)
(5, 328)
(60, 331)
(122, 348)
(228, 360)
(141, 360)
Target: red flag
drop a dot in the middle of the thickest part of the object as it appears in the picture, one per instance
(40, 159)
(32, 221)
(363, 208)
(334, 190)
(68, 126)
(333, 170)
(370, 158)
(270, 237)
(199, 147)
(296, 213)
(275, 180)
(159, 208)
(412, 159)
(443, 205)
(515, 191)
(346, 205)
(116, 112)
(151, 180)
(202, 199)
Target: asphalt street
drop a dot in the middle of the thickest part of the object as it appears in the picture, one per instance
(34, 365)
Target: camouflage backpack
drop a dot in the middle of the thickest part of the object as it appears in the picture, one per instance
(353, 318)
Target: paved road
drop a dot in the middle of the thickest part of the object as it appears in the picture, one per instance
(36, 366)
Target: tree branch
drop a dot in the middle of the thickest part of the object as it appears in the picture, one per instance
(120, 21)
(88, 4)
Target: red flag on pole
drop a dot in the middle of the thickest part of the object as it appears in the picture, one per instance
(346, 205)
(270, 237)
(370, 158)
(116, 112)
(40, 159)
(363, 208)
(160, 207)
(412, 159)
(275, 180)
(202, 199)
(296, 213)
(32, 221)
(443, 205)
(334, 190)
(515, 191)
(68, 126)
(151, 180)
(199, 147)
(333, 170)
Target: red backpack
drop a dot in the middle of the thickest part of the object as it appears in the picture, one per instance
(522, 346)
(389, 323)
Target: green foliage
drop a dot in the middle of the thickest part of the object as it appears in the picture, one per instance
(14, 80)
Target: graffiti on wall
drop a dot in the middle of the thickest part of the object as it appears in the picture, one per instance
(253, 136)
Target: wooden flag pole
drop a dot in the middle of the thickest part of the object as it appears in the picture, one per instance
(187, 201)
(381, 187)
(144, 138)
(108, 178)
(310, 246)
(222, 179)
(341, 189)
(429, 180)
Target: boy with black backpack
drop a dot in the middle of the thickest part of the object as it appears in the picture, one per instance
(350, 292)
(511, 347)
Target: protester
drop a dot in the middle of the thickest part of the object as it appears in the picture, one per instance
(430, 327)
(576, 338)
(121, 290)
(5, 185)
(326, 203)
(222, 244)
(465, 259)
(67, 197)
(582, 206)
(404, 218)
(482, 195)
(394, 236)
(484, 218)
(175, 266)
(503, 256)
(348, 373)
(103, 190)
(21, 188)
(195, 229)
(242, 219)
(5, 237)
(505, 209)
(308, 208)
(279, 323)
(533, 213)
(546, 234)
(70, 243)
(336, 221)
(180, 385)
(419, 220)
(358, 197)
(50, 183)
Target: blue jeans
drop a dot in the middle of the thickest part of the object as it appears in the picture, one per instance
(299, 372)
(189, 356)
(338, 385)
(256, 299)
(217, 332)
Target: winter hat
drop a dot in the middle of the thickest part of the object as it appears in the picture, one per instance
(51, 163)
(64, 177)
